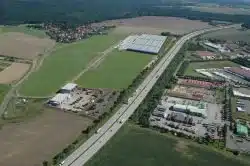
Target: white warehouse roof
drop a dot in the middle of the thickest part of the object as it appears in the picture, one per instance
(60, 97)
(69, 86)
(143, 43)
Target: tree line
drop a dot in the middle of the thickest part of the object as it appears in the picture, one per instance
(87, 11)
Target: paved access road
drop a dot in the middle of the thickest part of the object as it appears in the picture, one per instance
(98, 140)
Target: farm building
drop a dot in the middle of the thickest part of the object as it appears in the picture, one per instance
(144, 43)
(192, 109)
(68, 88)
(241, 129)
(58, 99)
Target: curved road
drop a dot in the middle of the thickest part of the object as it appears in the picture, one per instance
(81, 155)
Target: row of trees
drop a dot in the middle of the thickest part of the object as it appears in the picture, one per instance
(82, 12)
(166, 80)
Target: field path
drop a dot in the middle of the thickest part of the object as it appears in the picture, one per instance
(14, 89)
(96, 62)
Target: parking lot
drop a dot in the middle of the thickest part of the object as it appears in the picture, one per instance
(164, 117)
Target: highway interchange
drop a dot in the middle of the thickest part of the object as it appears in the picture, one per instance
(80, 156)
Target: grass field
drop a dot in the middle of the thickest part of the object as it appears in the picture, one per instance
(117, 71)
(230, 34)
(190, 71)
(3, 90)
(134, 146)
(23, 29)
(65, 63)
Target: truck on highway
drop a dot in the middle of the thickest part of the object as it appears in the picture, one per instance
(98, 131)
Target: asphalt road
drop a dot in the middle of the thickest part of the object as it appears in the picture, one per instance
(98, 140)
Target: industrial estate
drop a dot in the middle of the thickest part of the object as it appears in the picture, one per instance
(124, 87)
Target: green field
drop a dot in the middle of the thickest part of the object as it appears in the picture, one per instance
(134, 146)
(117, 71)
(23, 29)
(190, 71)
(64, 64)
(3, 90)
(230, 34)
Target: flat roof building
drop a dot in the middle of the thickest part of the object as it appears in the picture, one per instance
(143, 43)
(241, 130)
(189, 108)
(58, 99)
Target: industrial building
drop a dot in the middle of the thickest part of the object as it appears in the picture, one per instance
(69, 87)
(144, 43)
(190, 109)
(241, 130)
(242, 72)
(58, 99)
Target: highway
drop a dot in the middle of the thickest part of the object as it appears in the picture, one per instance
(80, 156)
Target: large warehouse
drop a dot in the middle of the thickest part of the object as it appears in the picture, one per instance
(192, 109)
(143, 43)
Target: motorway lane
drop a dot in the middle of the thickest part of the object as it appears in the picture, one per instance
(93, 144)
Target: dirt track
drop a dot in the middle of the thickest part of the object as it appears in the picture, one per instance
(23, 46)
(32, 142)
(13, 73)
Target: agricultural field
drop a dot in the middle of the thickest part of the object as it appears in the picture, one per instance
(20, 45)
(221, 9)
(156, 25)
(31, 142)
(117, 71)
(3, 90)
(14, 72)
(231, 34)
(190, 71)
(23, 29)
(135, 146)
(64, 64)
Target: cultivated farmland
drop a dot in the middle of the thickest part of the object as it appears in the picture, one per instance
(64, 64)
(30, 143)
(24, 46)
(230, 34)
(135, 146)
(117, 71)
(156, 25)
(13, 73)
(220, 9)
(190, 71)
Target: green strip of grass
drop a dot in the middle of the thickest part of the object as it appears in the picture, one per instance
(134, 146)
(3, 90)
(64, 64)
(117, 71)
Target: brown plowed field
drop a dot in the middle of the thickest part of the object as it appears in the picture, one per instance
(32, 142)
(155, 25)
(13, 72)
(23, 46)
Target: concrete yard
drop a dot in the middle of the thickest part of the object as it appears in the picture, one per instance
(197, 128)
(30, 143)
